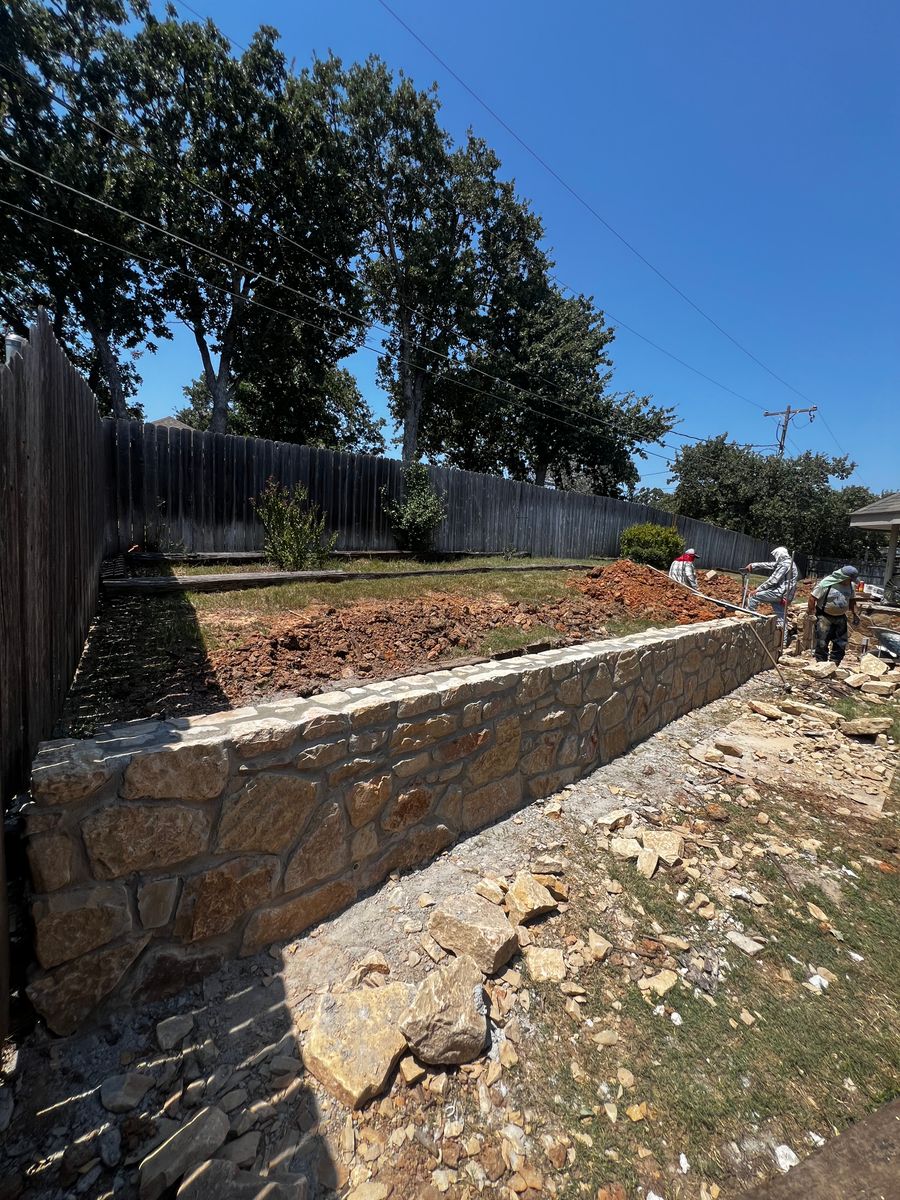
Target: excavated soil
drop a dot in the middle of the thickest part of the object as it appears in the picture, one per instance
(133, 668)
(641, 591)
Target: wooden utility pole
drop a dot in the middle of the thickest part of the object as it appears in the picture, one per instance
(783, 425)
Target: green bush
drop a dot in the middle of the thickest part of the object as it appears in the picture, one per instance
(415, 518)
(655, 545)
(295, 529)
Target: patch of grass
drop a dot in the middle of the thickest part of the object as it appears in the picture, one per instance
(367, 565)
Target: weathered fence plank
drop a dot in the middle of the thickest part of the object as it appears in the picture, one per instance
(205, 484)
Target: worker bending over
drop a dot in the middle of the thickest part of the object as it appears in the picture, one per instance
(778, 590)
(831, 600)
(682, 569)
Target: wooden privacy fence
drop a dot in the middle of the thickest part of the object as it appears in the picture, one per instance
(177, 489)
(51, 545)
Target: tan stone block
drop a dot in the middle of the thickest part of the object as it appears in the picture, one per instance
(289, 918)
(407, 808)
(570, 691)
(531, 685)
(215, 900)
(414, 735)
(614, 710)
(406, 768)
(542, 756)
(412, 850)
(489, 803)
(627, 669)
(369, 711)
(600, 686)
(470, 924)
(50, 858)
(268, 813)
(261, 736)
(325, 754)
(463, 746)
(71, 923)
(365, 800)
(555, 718)
(324, 851)
(545, 785)
(351, 769)
(156, 901)
(501, 758)
(364, 844)
(587, 717)
(138, 837)
(416, 704)
(167, 969)
(317, 723)
(67, 995)
(365, 743)
(568, 751)
(355, 1041)
(68, 772)
(187, 771)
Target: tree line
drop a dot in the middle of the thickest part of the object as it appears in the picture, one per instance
(788, 500)
(287, 217)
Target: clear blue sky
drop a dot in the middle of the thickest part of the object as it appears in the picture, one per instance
(751, 152)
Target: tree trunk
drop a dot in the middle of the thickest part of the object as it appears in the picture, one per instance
(109, 364)
(413, 393)
(218, 383)
(540, 474)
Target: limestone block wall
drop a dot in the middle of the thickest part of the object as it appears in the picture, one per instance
(160, 849)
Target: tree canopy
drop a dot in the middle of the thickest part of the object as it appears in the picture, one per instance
(789, 500)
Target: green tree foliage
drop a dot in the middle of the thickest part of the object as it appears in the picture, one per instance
(417, 515)
(295, 537)
(104, 306)
(655, 545)
(285, 408)
(655, 497)
(788, 500)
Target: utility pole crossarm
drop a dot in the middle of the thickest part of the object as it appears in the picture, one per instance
(786, 415)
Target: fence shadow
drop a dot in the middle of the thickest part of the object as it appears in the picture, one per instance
(240, 1056)
(144, 657)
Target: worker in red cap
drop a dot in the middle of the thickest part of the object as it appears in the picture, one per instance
(682, 569)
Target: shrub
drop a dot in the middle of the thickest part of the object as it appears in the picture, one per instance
(415, 518)
(295, 529)
(655, 545)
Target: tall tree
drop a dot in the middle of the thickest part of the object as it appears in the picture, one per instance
(276, 199)
(427, 202)
(549, 413)
(104, 306)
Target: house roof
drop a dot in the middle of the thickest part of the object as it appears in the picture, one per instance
(169, 423)
(881, 514)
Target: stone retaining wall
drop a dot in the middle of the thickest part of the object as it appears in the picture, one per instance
(160, 849)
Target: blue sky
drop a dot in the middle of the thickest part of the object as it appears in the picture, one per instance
(750, 152)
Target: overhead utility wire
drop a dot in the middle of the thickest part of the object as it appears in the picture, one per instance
(289, 316)
(287, 287)
(661, 349)
(259, 221)
(581, 200)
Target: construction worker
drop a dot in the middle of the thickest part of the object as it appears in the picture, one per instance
(831, 600)
(682, 569)
(778, 590)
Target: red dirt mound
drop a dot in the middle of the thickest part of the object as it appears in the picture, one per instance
(643, 592)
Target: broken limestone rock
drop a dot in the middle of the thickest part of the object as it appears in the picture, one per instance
(647, 862)
(121, 1093)
(191, 1145)
(354, 1041)
(869, 664)
(447, 1020)
(667, 844)
(769, 711)
(598, 946)
(173, 1030)
(748, 945)
(879, 687)
(624, 847)
(866, 726)
(545, 964)
(527, 899)
(472, 925)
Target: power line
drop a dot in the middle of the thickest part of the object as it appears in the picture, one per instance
(585, 203)
(306, 250)
(291, 317)
(303, 295)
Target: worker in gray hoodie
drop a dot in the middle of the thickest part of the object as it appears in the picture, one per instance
(778, 590)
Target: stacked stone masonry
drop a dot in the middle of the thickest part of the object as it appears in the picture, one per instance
(160, 849)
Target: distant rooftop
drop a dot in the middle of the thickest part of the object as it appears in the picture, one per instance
(169, 423)
(881, 514)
